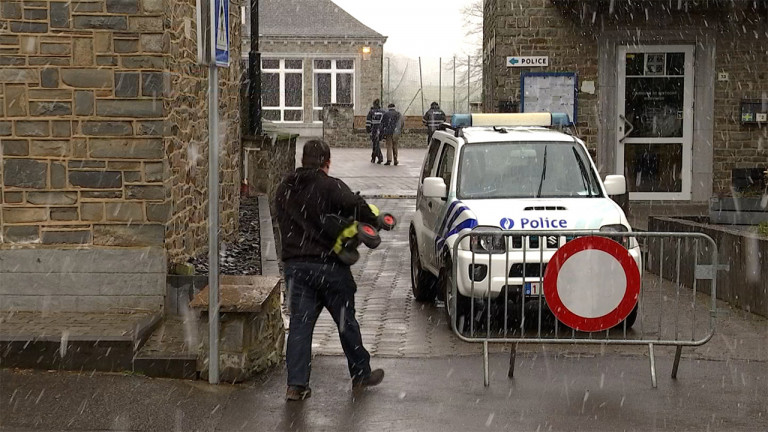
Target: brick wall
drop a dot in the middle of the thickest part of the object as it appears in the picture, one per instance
(570, 33)
(104, 125)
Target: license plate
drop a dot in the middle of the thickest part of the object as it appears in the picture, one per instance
(532, 288)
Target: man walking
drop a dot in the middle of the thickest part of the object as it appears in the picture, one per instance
(373, 127)
(433, 118)
(391, 128)
(315, 277)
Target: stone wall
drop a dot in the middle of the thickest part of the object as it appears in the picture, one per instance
(103, 128)
(269, 159)
(82, 128)
(339, 129)
(186, 141)
(729, 37)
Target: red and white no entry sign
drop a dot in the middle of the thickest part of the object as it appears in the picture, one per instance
(591, 283)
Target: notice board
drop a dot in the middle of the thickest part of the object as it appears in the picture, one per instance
(549, 92)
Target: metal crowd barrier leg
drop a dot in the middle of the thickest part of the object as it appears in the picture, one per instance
(653, 365)
(486, 375)
(512, 355)
(677, 361)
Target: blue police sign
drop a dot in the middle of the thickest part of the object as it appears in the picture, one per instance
(221, 48)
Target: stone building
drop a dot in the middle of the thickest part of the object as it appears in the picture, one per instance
(313, 54)
(672, 94)
(103, 129)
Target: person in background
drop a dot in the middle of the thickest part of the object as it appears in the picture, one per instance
(391, 127)
(373, 127)
(433, 118)
(315, 277)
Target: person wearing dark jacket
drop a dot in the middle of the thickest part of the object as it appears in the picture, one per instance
(391, 127)
(433, 118)
(314, 275)
(373, 127)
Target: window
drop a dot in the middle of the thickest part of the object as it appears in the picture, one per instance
(431, 156)
(445, 169)
(526, 170)
(282, 90)
(333, 83)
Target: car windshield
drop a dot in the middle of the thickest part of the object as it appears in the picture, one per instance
(526, 170)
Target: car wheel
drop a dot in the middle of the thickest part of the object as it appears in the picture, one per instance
(422, 282)
(458, 307)
(630, 320)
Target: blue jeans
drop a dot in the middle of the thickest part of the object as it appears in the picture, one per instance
(312, 286)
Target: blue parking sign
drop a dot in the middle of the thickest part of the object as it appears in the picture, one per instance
(222, 32)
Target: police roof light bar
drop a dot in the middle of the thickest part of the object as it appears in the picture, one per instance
(510, 120)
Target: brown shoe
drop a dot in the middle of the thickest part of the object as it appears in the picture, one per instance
(297, 393)
(375, 378)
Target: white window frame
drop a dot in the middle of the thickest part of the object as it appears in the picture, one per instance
(334, 71)
(281, 71)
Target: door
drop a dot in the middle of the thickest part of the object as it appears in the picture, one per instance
(655, 120)
(424, 206)
(436, 207)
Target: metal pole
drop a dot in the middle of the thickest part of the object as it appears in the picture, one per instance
(389, 84)
(421, 87)
(254, 74)
(469, 108)
(213, 208)
(440, 86)
(454, 84)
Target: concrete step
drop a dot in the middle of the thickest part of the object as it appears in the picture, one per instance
(74, 341)
(171, 350)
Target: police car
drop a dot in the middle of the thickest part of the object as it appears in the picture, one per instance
(508, 172)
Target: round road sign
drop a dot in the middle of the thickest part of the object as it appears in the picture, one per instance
(591, 283)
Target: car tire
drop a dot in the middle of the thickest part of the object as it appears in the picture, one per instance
(423, 284)
(630, 320)
(462, 303)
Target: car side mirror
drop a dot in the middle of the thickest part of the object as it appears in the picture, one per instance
(615, 185)
(434, 187)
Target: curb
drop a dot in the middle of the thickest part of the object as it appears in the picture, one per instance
(269, 266)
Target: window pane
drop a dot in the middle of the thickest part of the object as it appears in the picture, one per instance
(653, 167)
(322, 89)
(322, 64)
(634, 63)
(344, 64)
(344, 88)
(293, 115)
(270, 64)
(293, 90)
(654, 106)
(270, 89)
(273, 115)
(654, 63)
(293, 64)
(675, 63)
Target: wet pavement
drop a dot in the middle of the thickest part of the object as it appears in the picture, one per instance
(434, 381)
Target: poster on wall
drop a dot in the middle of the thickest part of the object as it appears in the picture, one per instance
(549, 92)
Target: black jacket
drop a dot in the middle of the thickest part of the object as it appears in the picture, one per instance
(303, 199)
(433, 118)
(392, 123)
(373, 119)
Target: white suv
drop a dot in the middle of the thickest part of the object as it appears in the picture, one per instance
(510, 172)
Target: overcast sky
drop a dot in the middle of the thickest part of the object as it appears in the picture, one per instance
(414, 27)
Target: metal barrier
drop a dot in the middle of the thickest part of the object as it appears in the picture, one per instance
(676, 305)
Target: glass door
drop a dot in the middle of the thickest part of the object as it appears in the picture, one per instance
(655, 121)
